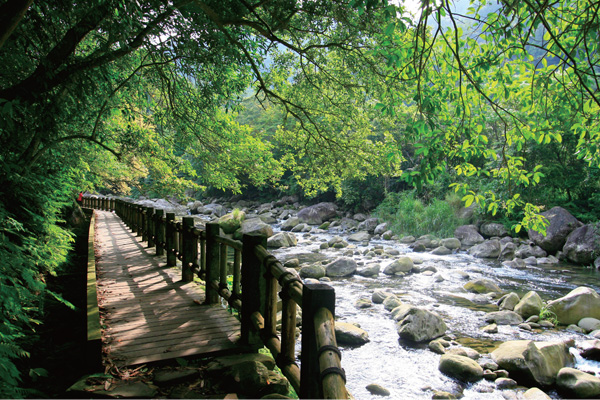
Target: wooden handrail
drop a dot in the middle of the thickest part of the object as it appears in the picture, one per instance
(263, 279)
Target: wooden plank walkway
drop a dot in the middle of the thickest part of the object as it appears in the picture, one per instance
(148, 313)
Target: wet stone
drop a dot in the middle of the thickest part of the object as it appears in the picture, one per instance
(378, 390)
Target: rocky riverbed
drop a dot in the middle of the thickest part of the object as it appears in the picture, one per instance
(478, 314)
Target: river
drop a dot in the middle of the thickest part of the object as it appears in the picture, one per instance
(409, 371)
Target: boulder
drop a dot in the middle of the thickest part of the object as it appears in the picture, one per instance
(487, 249)
(378, 390)
(214, 209)
(362, 236)
(508, 251)
(578, 384)
(482, 286)
(450, 243)
(562, 223)
(579, 303)
(509, 301)
(583, 244)
(379, 295)
(530, 304)
(535, 394)
(505, 317)
(253, 379)
(460, 367)
(532, 363)
(420, 325)
(530, 250)
(391, 302)
(368, 225)
(441, 251)
(282, 239)
(313, 271)
(381, 229)
(256, 227)
(318, 213)
(343, 266)
(589, 324)
(230, 223)
(468, 235)
(402, 264)
(590, 349)
(369, 270)
(290, 223)
(346, 333)
(493, 229)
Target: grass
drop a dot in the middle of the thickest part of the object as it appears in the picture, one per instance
(408, 215)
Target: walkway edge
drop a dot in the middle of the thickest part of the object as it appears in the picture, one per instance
(94, 333)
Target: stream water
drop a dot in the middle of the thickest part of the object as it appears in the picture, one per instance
(410, 371)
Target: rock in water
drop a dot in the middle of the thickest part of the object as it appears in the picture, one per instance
(487, 249)
(461, 368)
(317, 214)
(468, 235)
(346, 333)
(402, 264)
(341, 267)
(578, 304)
(578, 384)
(530, 304)
(482, 286)
(378, 390)
(582, 245)
(532, 363)
(562, 223)
(420, 325)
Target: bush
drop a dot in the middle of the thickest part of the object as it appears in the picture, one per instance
(408, 215)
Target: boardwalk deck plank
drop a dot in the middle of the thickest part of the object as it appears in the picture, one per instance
(149, 314)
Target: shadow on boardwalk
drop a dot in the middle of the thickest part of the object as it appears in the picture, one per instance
(148, 313)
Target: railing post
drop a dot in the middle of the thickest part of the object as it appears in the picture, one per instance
(159, 231)
(170, 239)
(138, 220)
(150, 226)
(212, 261)
(144, 227)
(189, 249)
(314, 297)
(254, 287)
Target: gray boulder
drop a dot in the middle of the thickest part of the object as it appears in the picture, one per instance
(402, 264)
(530, 304)
(368, 225)
(504, 317)
(361, 236)
(282, 239)
(535, 394)
(318, 213)
(530, 250)
(379, 295)
(493, 229)
(346, 333)
(487, 249)
(482, 286)
(450, 243)
(420, 325)
(391, 302)
(460, 367)
(290, 223)
(589, 324)
(508, 251)
(583, 244)
(312, 271)
(562, 223)
(578, 384)
(381, 229)
(441, 251)
(214, 209)
(532, 363)
(468, 235)
(256, 226)
(579, 303)
(369, 270)
(509, 301)
(343, 266)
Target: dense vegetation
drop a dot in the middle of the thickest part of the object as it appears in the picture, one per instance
(499, 101)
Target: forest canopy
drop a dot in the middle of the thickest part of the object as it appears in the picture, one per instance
(499, 100)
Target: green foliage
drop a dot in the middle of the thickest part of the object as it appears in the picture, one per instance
(406, 214)
(547, 314)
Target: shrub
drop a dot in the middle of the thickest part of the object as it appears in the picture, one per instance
(408, 215)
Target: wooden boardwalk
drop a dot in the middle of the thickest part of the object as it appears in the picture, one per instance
(148, 314)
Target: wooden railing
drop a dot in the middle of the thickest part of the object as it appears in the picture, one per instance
(259, 279)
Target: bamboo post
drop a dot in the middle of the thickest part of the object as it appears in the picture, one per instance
(159, 230)
(170, 239)
(314, 297)
(333, 377)
(212, 261)
(189, 250)
(237, 272)
(254, 287)
(223, 266)
(150, 226)
(202, 271)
